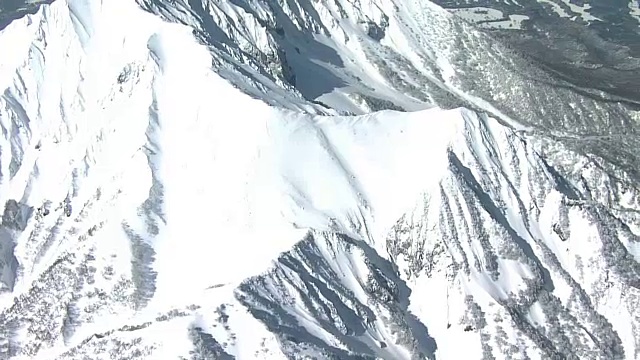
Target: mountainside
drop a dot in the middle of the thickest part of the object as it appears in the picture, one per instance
(307, 179)
(595, 44)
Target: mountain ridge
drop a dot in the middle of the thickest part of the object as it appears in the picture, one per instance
(148, 194)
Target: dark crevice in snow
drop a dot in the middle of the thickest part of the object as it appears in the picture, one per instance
(489, 205)
(206, 347)
(331, 300)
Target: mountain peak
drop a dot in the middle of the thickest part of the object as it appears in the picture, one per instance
(334, 180)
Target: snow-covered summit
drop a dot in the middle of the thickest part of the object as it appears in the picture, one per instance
(172, 192)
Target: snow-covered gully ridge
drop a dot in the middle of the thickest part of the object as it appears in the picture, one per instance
(152, 210)
(526, 269)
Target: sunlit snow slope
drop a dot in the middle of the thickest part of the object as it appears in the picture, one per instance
(168, 196)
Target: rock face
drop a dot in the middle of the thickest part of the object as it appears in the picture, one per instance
(323, 179)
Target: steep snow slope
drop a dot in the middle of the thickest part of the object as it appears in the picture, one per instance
(361, 56)
(502, 254)
(154, 211)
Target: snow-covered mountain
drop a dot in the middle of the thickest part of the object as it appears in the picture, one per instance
(333, 179)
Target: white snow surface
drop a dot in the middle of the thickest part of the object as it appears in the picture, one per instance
(164, 213)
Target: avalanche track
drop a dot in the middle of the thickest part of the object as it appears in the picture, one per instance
(166, 199)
